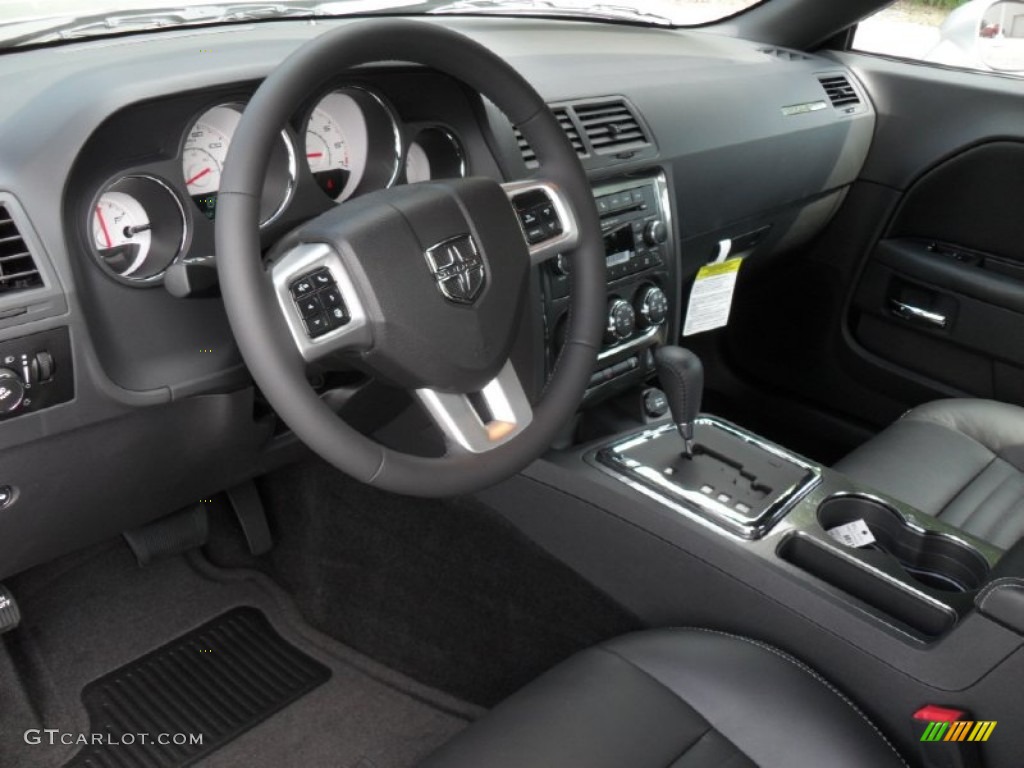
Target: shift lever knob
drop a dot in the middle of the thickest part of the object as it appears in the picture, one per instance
(682, 377)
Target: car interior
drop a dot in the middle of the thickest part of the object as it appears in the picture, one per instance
(508, 385)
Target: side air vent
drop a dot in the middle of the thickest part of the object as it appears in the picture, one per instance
(839, 91)
(784, 54)
(611, 126)
(18, 270)
(529, 156)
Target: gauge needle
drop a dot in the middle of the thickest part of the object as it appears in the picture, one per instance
(129, 231)
(311, 155)
(197, 177)
(103, 226)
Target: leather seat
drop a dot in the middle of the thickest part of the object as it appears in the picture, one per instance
(961, 460)
(674, 698)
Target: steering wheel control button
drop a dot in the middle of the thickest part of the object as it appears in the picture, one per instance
(538, 216)
(302, 287)
(317, 325)
(319, 302)
(309, 306)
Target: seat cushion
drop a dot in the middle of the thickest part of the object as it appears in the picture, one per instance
(961, 460)
(674, 698)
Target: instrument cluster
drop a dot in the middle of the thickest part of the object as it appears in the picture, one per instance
(350, 141)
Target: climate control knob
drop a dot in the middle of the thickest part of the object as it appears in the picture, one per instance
(655, 233)
(621, 321)
(12, 391)
(651, 306)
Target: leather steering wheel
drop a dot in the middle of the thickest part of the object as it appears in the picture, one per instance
(433, 276)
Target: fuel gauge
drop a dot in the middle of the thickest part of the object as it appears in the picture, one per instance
(138, 228)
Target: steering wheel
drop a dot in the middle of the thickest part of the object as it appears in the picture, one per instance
(432, 276)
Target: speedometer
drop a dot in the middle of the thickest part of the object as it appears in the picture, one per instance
(336, 142)
(352, 143)
(204, 153)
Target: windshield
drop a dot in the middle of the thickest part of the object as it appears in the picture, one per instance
(26, 22)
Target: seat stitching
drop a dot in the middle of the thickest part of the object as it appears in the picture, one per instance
(968, 484)
(661, 685)
(799, 665)
(1006, 582)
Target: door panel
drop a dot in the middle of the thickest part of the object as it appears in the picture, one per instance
(934, 223)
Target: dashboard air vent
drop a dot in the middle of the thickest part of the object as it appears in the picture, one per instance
(565, 120)
(784, 54)
(611, 126)
(839, 90)
(18, 270)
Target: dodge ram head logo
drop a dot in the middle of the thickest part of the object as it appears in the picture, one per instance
(457, 268)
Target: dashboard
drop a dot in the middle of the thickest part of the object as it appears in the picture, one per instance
(129, 396)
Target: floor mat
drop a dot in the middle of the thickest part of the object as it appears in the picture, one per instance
(94, 612)
(217, 682)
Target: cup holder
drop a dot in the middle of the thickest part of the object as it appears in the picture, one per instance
(933, 559)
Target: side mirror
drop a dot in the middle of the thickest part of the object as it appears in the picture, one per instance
(1000, 36)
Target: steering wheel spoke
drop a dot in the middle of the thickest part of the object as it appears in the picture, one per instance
(319, 301)
(484, 420)
(546, 216)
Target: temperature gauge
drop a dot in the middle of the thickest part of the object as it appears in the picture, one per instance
(137, 228)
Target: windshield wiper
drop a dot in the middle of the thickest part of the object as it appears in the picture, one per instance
(62, 28)
(560, 8)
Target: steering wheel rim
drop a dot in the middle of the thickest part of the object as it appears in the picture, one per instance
(261, 330)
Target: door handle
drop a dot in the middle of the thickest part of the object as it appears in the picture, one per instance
(906, 311)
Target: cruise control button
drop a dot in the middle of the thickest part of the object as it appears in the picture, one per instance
(536, 234)
(317, 325)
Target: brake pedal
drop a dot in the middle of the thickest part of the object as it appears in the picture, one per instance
(10, 616)
(177, 533)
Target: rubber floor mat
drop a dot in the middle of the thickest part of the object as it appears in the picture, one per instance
(214, 683)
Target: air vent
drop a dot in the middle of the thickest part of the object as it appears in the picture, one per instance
(784, 54)
(839, 91)
(18, 271)
(610, 126)
(565, 120)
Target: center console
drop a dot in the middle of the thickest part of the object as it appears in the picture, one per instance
(638, 240)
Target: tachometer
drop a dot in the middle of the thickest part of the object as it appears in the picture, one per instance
(352, 143)
(204, 153)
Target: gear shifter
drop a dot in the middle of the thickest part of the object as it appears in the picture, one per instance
(682, 377)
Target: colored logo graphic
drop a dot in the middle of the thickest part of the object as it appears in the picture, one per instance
(959, 730)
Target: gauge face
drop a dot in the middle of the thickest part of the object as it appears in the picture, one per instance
(137, 228)
(121, 232)
(417, 164)
(203, 158)
(204, 153)
(435, 153)
(337, 143)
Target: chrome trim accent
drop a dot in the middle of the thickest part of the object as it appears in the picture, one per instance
(396, 131)
(461, 423)
(906, 311)
(694, 504)
(570, 237)
(636, 342)
(356, 333)
(293, 171)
